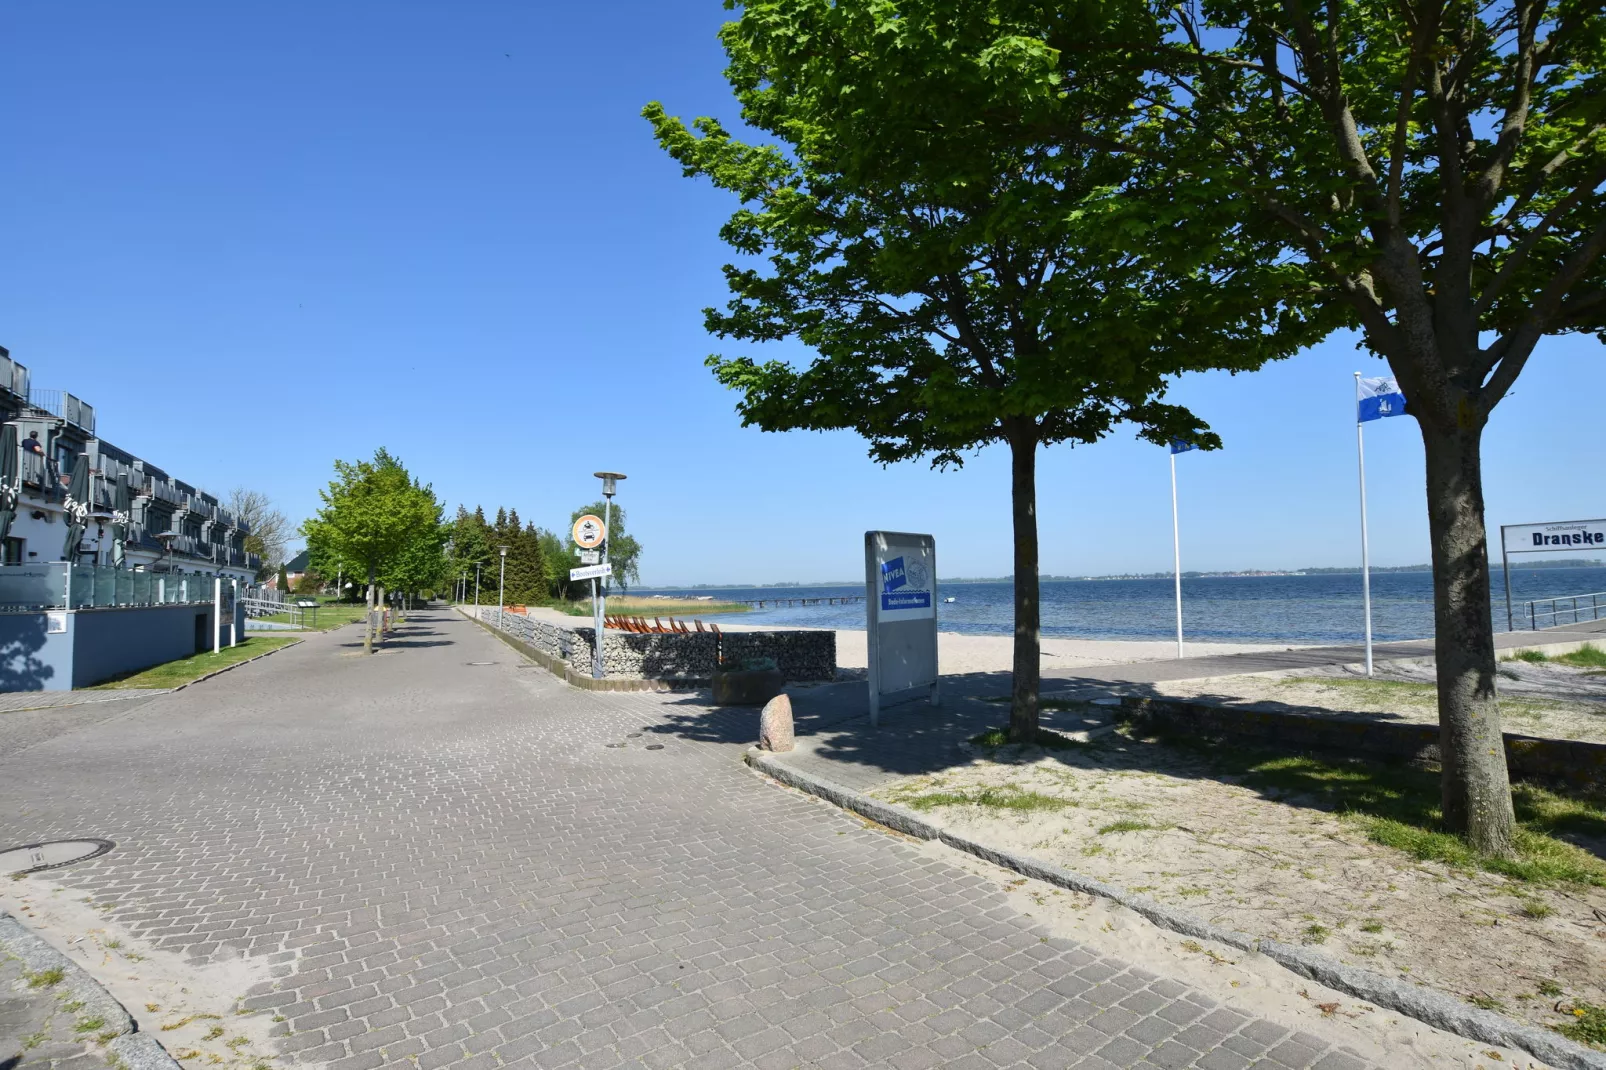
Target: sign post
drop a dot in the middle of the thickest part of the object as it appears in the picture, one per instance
(1558, 537)
(589, 533)
(900, 579)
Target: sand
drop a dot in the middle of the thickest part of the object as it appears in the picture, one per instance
(182, 1003)
(1157, 820)
(958, 654)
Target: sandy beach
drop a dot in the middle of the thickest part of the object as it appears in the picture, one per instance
(995, 653)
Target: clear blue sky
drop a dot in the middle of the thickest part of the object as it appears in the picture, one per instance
(258, 239)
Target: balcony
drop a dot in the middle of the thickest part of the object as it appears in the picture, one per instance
(38, 471)
(53, 585)
(13, 377)
(77, 412)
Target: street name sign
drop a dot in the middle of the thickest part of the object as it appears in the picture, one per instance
(589, 532)
(1556, 537)
(590, 572)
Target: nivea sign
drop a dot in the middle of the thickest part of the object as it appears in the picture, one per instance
(905, 585)
(900, 586)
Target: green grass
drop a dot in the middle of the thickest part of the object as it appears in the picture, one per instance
(1315, 933)
(626, 606)
(184, 670)
(332, 615)
(1486, 1002)
(89, 1025)
(1126, 824)
(1587, 656)
(999, 737)
(1398, 806)
(46, 978)
(1007, 797)
(1588, 1025)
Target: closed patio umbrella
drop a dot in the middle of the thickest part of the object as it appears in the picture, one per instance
(10, 477)
(122, 509)
(78, 507)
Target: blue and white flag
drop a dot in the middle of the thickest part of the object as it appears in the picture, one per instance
(1379, 398)
(1179, 446)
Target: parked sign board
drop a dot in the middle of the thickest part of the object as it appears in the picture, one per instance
(589, 532)
(900, 577)
(590, 572)
(1549, 538)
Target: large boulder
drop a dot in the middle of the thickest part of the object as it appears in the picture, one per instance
(775, 724)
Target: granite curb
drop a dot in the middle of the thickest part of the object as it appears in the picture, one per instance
(1424, 1004)
(140, 1051)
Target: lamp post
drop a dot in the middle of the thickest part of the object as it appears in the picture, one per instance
(476, 590)
(599, 601)
(501, 580)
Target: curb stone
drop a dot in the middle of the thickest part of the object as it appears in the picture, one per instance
(139, 1051)
(1424, 1004)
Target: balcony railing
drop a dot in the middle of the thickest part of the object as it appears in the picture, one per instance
(55, 585)
(74, 410)
(37, 470)
(13, 377)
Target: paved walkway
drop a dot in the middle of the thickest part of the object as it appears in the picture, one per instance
(36, 1031)
(452, 863)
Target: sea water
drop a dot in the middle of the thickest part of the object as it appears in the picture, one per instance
(1224, 609)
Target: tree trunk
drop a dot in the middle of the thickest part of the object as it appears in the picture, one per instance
(1023, 705)
(1476, 788)
(368, 616)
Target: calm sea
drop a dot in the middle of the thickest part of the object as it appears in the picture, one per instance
(1304, 609)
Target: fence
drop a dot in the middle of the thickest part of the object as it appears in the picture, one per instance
(56, 585)
(1565, 609)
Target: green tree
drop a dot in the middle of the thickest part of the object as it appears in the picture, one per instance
(557, 559)
(372, 512)
(1435, 171)
(624, 552)
(470, 545)
(963, 282)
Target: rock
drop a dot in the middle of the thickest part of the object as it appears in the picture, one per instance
(775, 724)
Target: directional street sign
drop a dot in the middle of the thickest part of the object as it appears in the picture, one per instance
(589, 532)
(590, 572)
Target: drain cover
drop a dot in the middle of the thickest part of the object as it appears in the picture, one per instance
(655, 746)
(34, 857)
(479, 663)
(613, 745)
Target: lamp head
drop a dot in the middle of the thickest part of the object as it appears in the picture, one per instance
(610, 482)
(503, 550)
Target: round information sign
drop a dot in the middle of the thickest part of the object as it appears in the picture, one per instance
(589, 532)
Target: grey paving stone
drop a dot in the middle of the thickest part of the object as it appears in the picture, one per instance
(445, 861)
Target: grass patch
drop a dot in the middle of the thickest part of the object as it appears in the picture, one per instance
(1588, 1025)
(46, 978)
(1315, 933)
(185, 670)
(1588, 656)
(89, 1025)
(1485, 1002)
(625, 606)
(1532, 657)
(1008, 797)
(1549, 988)
(994, 738)
(324, 618)
(1126, 824)
(1398, 806)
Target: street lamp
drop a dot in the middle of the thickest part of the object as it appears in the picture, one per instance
(610, 487)
(501, 580)
(477, 590)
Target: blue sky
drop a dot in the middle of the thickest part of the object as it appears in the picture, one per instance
(259, 239)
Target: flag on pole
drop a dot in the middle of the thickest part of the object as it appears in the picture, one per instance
(1179, 446)
(1379, 398)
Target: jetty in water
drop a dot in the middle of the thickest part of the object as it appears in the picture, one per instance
(818, 600)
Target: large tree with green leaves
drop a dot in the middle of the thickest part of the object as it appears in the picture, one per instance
(373, 512)
(1435, 170)
(961, 284)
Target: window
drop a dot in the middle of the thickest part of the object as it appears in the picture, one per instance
(13, 551)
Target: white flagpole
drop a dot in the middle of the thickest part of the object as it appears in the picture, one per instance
(1176, 549)
(1366, 558)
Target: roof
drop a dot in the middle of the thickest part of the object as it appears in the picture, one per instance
(299, 562)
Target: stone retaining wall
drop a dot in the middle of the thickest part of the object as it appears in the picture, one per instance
(1526, 756)
(802, 656)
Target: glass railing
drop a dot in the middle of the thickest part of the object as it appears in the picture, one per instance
(55, 585)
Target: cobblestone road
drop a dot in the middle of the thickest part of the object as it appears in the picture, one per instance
(452, 863)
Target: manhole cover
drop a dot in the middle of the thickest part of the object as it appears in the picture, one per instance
(34, 857)
(479, 663)
(655, 746)
(634, 735)
(613, 746)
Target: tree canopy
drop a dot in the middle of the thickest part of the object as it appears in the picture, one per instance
(960, 281)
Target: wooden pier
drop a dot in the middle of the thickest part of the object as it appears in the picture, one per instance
(777, 603)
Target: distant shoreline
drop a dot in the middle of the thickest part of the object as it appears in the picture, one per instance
(1244, 574)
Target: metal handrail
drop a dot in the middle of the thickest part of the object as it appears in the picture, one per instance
(1576, 606)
